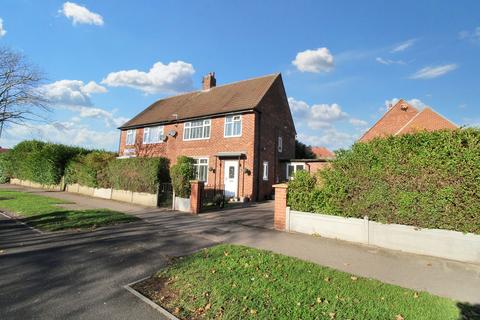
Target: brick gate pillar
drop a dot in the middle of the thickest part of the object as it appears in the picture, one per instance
(196, 196)
(280, 216)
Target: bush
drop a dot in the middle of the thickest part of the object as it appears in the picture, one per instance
(427, 179)
(138, 174)
(39, 161)
(4, 167)
(90, 169)
(304, 193)
(182, 172)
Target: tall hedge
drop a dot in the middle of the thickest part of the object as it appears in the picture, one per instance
(426, 179)
(4, 167)
(138, 174)
(40, 161)
(182, 172)
(90, 169)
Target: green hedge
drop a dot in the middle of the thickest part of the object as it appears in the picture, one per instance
(4, 167)
(182, 172)
(138, 174)
(40, 162)
(427, 179)
(90, 169)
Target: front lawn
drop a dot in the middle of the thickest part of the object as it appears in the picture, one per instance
(45, 214)
(235, 282)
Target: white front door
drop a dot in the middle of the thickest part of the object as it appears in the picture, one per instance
(231, 178)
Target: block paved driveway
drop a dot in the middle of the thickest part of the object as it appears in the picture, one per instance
(80, 275)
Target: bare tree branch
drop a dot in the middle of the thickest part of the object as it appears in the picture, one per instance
(20, 97)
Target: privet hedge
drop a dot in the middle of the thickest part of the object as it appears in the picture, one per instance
(427, 179)
(90, 169)
(40, 162)
(182, 172)
(4, 167)
(138, 174)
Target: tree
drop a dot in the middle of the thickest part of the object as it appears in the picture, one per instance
(20, 97)
(302, 151)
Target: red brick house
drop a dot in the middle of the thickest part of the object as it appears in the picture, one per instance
(239, 134)
(323, 153)
(403, 118)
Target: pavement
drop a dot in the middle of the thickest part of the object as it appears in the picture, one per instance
(80, 275)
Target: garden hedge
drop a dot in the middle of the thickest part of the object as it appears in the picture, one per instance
(40, 162)
(138, 174)
(90, 169)
(182, 172)
(4, 167)
(426, 179)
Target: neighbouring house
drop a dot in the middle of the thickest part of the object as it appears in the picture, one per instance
(403, 118)
(322, 153)
(3, 150)
(239, 134)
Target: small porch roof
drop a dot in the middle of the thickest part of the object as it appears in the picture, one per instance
(230, 154)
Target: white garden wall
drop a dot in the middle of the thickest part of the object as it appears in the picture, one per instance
(434, 242)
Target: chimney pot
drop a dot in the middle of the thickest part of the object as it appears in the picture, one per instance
(209, 81)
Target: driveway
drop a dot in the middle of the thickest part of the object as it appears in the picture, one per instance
(80, 275)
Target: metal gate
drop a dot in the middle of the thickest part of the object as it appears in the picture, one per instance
(165, 195)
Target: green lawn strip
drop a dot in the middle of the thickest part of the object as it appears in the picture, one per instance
(44, 213)
(235, 282)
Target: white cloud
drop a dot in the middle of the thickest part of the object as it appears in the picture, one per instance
(433, 72)
(327, 112)
(404, 45)
(67, 132)
(357, 122)
(80, 15)
(473, 35)
(389, 61)
(316, 61)
(161, 78)
(2, 29)
(331, 138)
(74, 95)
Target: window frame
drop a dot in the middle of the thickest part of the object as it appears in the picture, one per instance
(148, 129)
(294, 165)
(280, 144)
(197, 165)
(189, 123)
(133, 132)
(233, 126)
(265, 171)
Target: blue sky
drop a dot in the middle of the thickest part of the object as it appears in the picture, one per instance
(342, 61)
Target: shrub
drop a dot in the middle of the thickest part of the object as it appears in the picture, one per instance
(182, 172)
(4, 167)
(40, 162)
(138, 174)
(426, 179)
(90, 169)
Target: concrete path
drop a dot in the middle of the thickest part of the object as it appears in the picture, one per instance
(80, 275)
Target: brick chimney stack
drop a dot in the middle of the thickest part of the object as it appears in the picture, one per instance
(209, 81)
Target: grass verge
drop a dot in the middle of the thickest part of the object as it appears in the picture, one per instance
(44, 213)
(235, 282)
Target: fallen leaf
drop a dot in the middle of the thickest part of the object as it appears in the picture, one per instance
(399, 317)
(353, 278)
(332, 315)
(415, 295)
(177, 310)
(225, 253)
(319, 300)
(327, 279)
(253, 311)
(207, 307)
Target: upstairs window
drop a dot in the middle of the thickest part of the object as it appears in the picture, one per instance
(280, 144)
(201, 168)
(265, 170)
(153, 135)
(233, 126)
(197, 130)
(130, 140)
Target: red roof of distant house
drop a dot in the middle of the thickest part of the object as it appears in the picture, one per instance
(2, 150)
(322, 152)
(403, 118)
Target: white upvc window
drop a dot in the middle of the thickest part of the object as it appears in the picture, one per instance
(233, 126)
(280, 144)
(265, 170)
(293, 167)
(153, 135)
(130, 139)
(197, 130)
(201, 169)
